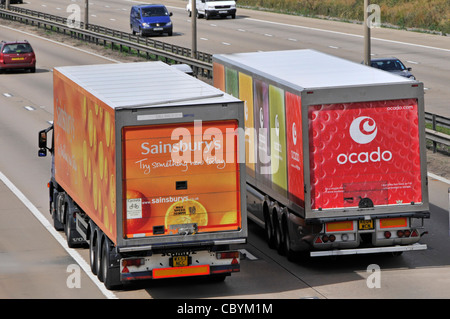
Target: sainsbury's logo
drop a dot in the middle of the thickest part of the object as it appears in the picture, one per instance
(363, 130)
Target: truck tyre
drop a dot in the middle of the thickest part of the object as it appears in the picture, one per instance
(56, 223)
(278, 236)
(68, 225)
(58, 216)
(93, 249)
(110, 275)
(290, 254)
(269, 228)
(98, 254)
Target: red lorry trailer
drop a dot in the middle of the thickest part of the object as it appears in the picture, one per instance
(335, 152)
(146, 171)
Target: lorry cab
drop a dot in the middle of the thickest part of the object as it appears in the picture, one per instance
(150, 19)
(211, 8)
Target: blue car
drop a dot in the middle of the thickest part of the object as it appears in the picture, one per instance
(148, 19)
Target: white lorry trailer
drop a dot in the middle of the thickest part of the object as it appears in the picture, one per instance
(335, 152)
(146, 171)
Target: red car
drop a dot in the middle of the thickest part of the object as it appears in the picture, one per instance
(17, 55)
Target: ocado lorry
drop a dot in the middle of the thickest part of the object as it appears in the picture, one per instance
(335, 152)
(146, 171)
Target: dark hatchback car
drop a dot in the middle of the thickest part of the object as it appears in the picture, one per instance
(17, 55)
(392, 65)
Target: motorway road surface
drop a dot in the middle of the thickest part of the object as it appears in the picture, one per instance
(427, 54)
(34, 265)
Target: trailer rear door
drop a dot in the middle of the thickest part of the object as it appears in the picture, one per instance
(364, 154)
(181, 179)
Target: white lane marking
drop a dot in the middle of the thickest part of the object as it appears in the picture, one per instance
(247, 254)
(226, 43)
(29, 108)
(333, 47)
(412, 62)
(72, 252)
(347, 34)
(7, 95)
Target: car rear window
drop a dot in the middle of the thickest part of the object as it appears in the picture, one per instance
(17, 48)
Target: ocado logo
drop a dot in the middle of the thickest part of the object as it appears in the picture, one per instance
(363, 130)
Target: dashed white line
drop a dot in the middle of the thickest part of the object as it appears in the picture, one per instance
(412, 62)
(347, 34)
(29, 108)
(226, 43)
(333, 47)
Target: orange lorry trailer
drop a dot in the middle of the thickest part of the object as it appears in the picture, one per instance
(146, 171)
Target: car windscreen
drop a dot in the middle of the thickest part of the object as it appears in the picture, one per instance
(17, 48)
(389, 65)
(154, 12)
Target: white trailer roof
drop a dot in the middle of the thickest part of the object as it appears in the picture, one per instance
(309, 69)
(143, 84)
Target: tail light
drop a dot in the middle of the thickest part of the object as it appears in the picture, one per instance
(387, 234)
(227, 255)
(1, 58)
(133, 262)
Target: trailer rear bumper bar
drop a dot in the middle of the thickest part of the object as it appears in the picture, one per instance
(372, 250)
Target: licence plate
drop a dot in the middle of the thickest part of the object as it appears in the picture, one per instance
(223, 11)
(365, 224)
(180, 261)
(18, 59)
(158, 29)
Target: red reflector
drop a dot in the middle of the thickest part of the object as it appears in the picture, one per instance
(125, 270)
(414, 233)
(227, 255)
(318, 240)
(234, 261)
(133, 262)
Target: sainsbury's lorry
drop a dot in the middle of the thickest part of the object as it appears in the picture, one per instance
(335, 152)
(145, 170)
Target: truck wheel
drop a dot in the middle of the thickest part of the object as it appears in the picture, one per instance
(56, 223)
(278, 237)
(110, 275)
(290, 254)
(93, 250)
(269, 229)
(98, 253)
(68, 226)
